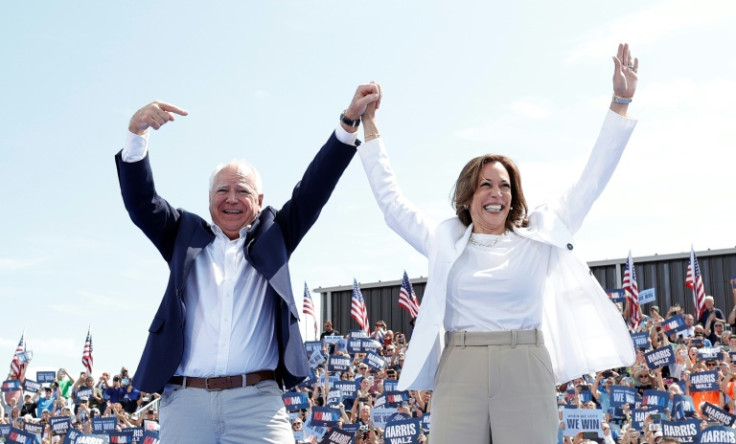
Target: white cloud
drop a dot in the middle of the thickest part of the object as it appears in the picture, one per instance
(8, 264)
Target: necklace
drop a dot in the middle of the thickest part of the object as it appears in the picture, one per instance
(491, 244)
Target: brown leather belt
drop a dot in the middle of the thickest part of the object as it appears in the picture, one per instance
(223, 382)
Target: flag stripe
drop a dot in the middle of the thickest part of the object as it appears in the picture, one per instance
(358, 310)
(694, 281)
(407, 298)
(631, 289)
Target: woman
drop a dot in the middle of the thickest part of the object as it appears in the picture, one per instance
(504, 288)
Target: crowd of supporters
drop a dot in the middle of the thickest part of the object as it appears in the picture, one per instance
(661, 397)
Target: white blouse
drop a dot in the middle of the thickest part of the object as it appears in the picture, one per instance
(497, 288)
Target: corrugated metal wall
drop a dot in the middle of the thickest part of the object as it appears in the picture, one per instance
(665, 273)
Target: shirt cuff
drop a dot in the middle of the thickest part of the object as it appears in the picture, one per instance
(346, 137)
(136, 147)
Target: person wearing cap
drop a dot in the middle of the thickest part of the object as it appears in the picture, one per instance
(226, 331)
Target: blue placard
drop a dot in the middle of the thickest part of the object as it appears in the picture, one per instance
(324, 416)
(137, 433)
(646, 296)
(316, 358)
(150, 437)
(350, 428)
(395, 399)
(334, 397)
(338, 436)
(45, 377)
(31, 386)
(718, 435)
(715, 413)
(18, 436)
(709, 353)
(404, 431)
(616, 295)
(60, 424)
(84, 393)
(687, 431)
(704, 381)
(674, 324)
(310, 429)
(389, 385)
(621, 394)
(312, 346)
(295, 401)
(124, 437)
(363, 345)
(658, 398)
(33, 428)
(104, 424)
(339, 363)
(11, 385)
(71, 436)
(349, 389)
(638, 415)
(4, 430)
(352, 334)
(374, 361)
(660, 357)
(426, 422)
(683, 407)
(640, 340)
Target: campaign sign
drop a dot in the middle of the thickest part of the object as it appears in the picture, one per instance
(657, 398)
(310, 429)
(136, 432)
(402, 432)
(33, 428)
(718, 435)
(716, 414)
(332, 339)
(106, 424)
(350, 428)
(695, 342)
(312, 346)
(125, 437)
(349, 389)
(45, 377)
(646, 296)
(638, 415)
(709, 353)
(11, 385)
(363, 345)
(687, 431)
(683, 407)
(4, 430)
(316, 359)
(616, 295)
(85, 393)
(582, 420)
(584, 394)
(339, 364)
(704, 381)
(341, 346)
(19, 436)
(621, 394)
(380, 415)
(674, 324)
(31, 386)
(334, 397)
(659, 357)
(389, 385)
(426, 421)
(354, 334)
(640, 340)
(295, 401)
(150, 437)
(325, 416)
(338, 436)
(374, 361)
(394, 399)
(60, 424)
(71, 436)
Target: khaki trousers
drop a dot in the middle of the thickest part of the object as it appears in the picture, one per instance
(494, 387)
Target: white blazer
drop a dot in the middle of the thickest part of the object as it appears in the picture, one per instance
(583, 331)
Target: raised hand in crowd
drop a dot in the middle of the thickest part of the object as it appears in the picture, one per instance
(154, 115)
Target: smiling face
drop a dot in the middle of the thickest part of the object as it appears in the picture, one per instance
(490, 205)
(234, 200)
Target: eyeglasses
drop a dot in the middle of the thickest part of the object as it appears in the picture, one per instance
(710, 364)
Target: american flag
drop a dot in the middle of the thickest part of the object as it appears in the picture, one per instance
(694, 281)
(87, 359)
(632, 294)
(358, 310)
(407, 298)
(16, 367)
(309, 307)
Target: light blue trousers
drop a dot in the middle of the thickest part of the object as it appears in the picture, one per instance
(253, 414)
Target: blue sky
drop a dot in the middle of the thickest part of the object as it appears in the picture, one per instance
(267, 80)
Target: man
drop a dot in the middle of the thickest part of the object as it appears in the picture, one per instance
(328, 331)
(226, 334)
(711, 316)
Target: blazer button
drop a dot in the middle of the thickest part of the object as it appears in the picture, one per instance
(569, 247)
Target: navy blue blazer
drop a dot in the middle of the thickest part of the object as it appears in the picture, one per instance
(180, 236)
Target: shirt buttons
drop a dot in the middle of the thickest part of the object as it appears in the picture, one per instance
(569, 247)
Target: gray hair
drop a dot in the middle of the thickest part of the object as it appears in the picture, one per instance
(242, 166)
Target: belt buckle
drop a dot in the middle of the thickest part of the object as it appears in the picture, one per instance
(207, 384)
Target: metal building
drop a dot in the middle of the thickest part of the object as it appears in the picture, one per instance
(665, 273)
